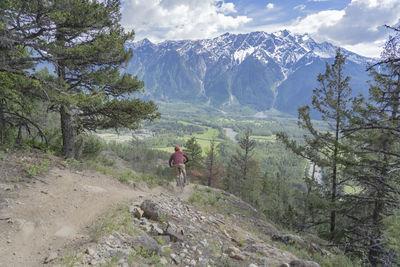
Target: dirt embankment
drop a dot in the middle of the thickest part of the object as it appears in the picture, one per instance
(45, 217)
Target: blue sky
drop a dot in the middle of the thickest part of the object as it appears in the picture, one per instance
(356, 25)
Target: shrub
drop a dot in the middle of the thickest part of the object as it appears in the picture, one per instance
(92, 147)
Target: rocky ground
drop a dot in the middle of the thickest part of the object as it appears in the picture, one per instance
(166, 230)
(84, 218)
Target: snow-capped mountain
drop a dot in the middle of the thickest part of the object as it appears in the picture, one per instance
(277, 70)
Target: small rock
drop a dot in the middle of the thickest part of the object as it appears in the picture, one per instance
(165, 238)
(175, 258)
(253, 265)
(237, 257)
(156, 229)
(285, 265)
(143, 221)
(145, 241)
(51, 257)
(204, 242)
(234, 250)
(193, 262)
(90, 251)
(301, 263)
(226, 234)
(220, 216)
(204, 262)
(163, 261)
(138, 212)
(173, 235)
(146, 228)
(289, 239)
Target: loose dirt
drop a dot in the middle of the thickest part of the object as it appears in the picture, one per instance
(54, 213)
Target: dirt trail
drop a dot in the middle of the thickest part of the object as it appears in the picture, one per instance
(55, 213)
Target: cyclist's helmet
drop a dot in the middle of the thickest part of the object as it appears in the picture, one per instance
(177, 148)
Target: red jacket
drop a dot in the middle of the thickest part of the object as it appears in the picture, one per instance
(177, 158)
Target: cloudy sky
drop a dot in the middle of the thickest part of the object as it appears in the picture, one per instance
(354, 24)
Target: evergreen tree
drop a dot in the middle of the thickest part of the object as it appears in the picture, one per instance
(84, 42)
(211, 170)
(194, 152)
(326, 149)
(240, 164)
(375, 131)
(19, 93)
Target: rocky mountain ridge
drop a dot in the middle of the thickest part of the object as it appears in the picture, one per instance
(261, 70)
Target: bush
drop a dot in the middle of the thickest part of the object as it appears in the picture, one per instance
(92, 147)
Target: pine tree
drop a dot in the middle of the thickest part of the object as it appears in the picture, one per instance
(327, 148)
(18, 92)
(240, 164)
(194, 152)
(213, 168)
(84, 42)
(375, 131)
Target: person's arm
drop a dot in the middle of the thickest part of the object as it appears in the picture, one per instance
(186, 157)
(170, 161)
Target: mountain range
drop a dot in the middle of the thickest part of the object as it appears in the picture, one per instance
(260, 70)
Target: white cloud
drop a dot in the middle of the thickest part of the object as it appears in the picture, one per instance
(359, 27)
(270, 6)
(180, 19)
(300, 7)
(363, 21)
(227, 8)
(313, 22)
(373, 49)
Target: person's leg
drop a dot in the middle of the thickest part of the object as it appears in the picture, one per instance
(184, 171)
(176, 166)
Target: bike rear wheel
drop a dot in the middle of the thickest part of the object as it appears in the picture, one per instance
(181, 180)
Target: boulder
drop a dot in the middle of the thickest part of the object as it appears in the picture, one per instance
(152, 210)
(175, 237)
(147, 242)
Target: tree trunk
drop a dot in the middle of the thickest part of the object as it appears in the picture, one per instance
(334, 164)
(67, 129)
(2, 124)
(19, 136)
(211, 167)
(78, 155)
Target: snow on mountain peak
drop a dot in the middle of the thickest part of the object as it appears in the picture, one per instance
(240, 55)
(282, 46)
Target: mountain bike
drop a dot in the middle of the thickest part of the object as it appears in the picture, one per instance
(181, 180)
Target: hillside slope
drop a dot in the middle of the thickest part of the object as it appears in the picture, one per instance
(80, 218)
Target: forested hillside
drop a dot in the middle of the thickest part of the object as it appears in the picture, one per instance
(337, 178)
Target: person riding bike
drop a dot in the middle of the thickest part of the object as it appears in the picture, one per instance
(177, 161)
